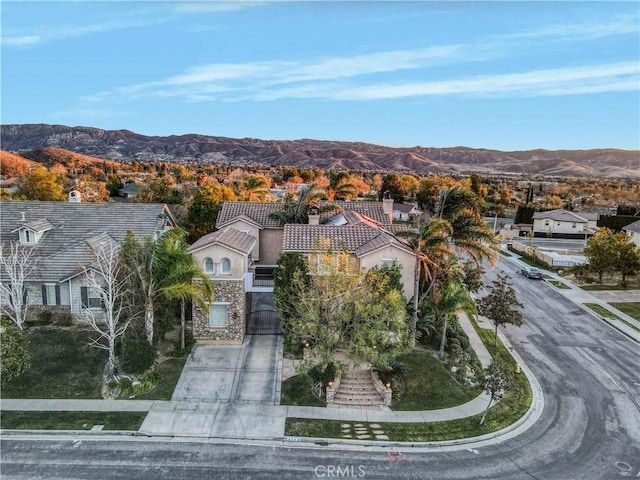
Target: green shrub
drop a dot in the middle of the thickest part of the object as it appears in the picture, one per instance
(45, 317)
(189, 342)
(64, 320)
(323, 374)
(137, 354)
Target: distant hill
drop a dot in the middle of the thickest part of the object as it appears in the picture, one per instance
(51, 155)
(13, 165)
(124, 145)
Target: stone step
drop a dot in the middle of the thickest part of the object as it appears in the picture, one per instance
(357, 401)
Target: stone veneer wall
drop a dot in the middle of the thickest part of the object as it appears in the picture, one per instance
(223, 291)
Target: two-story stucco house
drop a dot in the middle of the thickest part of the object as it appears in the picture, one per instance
(240, 257)
(60, 236)
(564, 224)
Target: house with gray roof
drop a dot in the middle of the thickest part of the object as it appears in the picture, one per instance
(633, 230)
(240, 257)
(60, 236)
(564, 224)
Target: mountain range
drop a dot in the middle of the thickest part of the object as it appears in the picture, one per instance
(124, 145)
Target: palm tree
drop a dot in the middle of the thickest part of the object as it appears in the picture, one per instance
(163, 270)
(341, 187)
(296, 210)
(456, 225)
(430, 247)
(255, 188)
(179, 277)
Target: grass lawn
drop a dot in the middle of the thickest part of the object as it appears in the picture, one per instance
(558, 284)
(428, 384)
(297, 391)
(600, 310)
(27, 420)
(598, 287)
(170, 370)
(62, 366)
(630, 308)
(506, 254)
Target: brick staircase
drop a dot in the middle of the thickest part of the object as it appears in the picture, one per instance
(356, 390)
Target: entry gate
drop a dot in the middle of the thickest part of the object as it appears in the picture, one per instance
(263, 322)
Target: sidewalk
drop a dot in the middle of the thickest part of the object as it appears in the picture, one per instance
(580, 297)
(207, 416)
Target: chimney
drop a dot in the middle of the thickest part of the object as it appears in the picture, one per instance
(22, 217)
(314, 215)
(75, 196)
(387, 205)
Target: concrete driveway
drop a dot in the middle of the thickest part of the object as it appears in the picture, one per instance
(247, 373)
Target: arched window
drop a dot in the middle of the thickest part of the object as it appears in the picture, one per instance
(225, 266)
(209, 266)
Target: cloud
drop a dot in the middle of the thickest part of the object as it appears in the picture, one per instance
(21, 40)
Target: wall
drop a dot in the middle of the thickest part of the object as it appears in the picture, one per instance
(556, 227)
(405, 259)
(231, 291)
(217, 253)
(270, 245)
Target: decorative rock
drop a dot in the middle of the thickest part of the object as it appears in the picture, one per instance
(359, 425)
(382, 437)
(362, 437)
(374, 425)
(345, 425)
(378, 432)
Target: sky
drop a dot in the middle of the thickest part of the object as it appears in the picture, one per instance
(509, 75)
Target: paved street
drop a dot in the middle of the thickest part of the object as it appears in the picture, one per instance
(589, 428)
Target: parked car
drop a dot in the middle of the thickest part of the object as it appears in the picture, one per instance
(531, 272)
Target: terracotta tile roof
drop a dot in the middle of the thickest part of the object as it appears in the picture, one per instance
(359, 239)
(258, 212)
(229, 237)
(373, 210)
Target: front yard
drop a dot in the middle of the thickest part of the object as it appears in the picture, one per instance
(63, 365)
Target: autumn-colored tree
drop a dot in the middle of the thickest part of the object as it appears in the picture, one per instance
(40, 184)
(203, 211)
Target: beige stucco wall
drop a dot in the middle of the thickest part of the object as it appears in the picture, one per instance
(557, 227)
(406, 261)
(270, 245)
(239, 261)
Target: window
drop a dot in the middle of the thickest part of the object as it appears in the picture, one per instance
(51, 294)
(26, 236)
(218, 314)
(225, 266)
(387, 262)
(90, 298)
(209, 266)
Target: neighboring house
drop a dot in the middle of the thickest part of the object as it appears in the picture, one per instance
(405, 212)
(240, 257)
(130, 190)
(564, 224)
(633, 230)
(61, 235)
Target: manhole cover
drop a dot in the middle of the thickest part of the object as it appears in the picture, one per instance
(623, 466)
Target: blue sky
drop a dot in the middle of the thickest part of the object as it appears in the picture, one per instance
(506, 75)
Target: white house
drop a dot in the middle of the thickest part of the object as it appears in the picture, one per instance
(405, 212)
(564, 224)
(633, 230)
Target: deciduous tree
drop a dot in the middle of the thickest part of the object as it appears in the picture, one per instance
(17, 263)
(40, 184)
(498, 380)
(501, 305)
